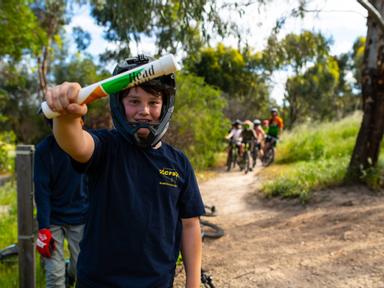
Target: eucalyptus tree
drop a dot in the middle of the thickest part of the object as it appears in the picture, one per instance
(235, 73)
(367, 148)
(295, 53)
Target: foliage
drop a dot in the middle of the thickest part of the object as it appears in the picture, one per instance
(175, 25)
(19, 102)
(20, 31)
(303, 177)
(312, 157)
(312, 94)
(234, 73)
(197, 126)
(8, 235)
(84, 71)
(358, 50)
(7, 141)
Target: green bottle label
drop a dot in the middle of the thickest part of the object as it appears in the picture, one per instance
(120, 83)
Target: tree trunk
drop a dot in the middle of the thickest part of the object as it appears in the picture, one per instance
(367, 148)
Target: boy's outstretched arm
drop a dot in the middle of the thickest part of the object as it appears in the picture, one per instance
(68, 127)
(191, 249)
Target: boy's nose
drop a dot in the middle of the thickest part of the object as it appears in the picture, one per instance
(144, 109)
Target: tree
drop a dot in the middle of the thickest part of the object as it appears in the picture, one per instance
(314, 92)
(236, 74)
(20, 31)
(367, 148)
(83, 70)
(295, 53)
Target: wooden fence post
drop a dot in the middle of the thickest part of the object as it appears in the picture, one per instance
(25, 222)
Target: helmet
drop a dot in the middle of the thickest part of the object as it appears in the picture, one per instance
(236, 122)
(165, 84)
(247, 125)
(273, 110)
(256, 122)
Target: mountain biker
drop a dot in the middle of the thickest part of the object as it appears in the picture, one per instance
(234, 136)
(144, 199)
(260, 134)
(248, 136)
(276, 124)
(275, 128)
(62, 206)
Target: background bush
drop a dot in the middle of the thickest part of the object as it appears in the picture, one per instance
(197, 126)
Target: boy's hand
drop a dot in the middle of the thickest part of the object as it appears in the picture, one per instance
(45, 244)
(62, 99)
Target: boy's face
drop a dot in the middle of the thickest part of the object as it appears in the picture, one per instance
(141, 106)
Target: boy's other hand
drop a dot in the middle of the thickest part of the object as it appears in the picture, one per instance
(62, 98)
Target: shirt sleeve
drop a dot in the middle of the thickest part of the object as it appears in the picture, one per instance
(42, 187)
(191, 203)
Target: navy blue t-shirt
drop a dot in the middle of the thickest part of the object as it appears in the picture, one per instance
(60, 191)
(137, 199)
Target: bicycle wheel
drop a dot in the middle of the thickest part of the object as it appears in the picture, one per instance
(269, 156)
(247, 164)
(9, 254)
(229, 159)
(206, 280)
(255, 154)
(210, 230)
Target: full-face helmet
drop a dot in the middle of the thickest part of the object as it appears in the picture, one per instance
(166, 85)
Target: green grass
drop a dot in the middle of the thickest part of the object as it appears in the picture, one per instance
(9, 276)
(312, 157)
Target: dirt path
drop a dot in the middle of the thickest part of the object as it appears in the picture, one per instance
(337, 240)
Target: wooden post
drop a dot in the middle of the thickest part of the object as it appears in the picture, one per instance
(24, 172)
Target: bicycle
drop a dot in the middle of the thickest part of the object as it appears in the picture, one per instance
(246, 157)
(269, 152)
(9, 253)
(232, 155)
(255, 154)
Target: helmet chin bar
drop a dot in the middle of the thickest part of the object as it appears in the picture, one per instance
(144, 142)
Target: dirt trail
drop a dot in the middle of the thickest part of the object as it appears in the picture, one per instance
(336, 240)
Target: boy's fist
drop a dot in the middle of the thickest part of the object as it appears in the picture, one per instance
(45, 244)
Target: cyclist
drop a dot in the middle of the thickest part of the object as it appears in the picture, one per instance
(144, 199)
(275, 128)
(234, 136)
(260, 134)
(248, 136)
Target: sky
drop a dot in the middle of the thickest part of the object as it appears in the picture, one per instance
(341, 20)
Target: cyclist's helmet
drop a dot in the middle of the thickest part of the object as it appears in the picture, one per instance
(166, 85)
(247, 125)
(256, 122)
(236, 122)
(274, 110)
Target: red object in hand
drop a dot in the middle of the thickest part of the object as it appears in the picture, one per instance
(45, 244)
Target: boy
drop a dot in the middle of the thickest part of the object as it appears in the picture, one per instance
(144, 198)
(62, 206)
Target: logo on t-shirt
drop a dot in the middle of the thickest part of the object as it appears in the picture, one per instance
(169, 177)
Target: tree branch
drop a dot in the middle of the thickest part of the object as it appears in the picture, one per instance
(373, 11)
